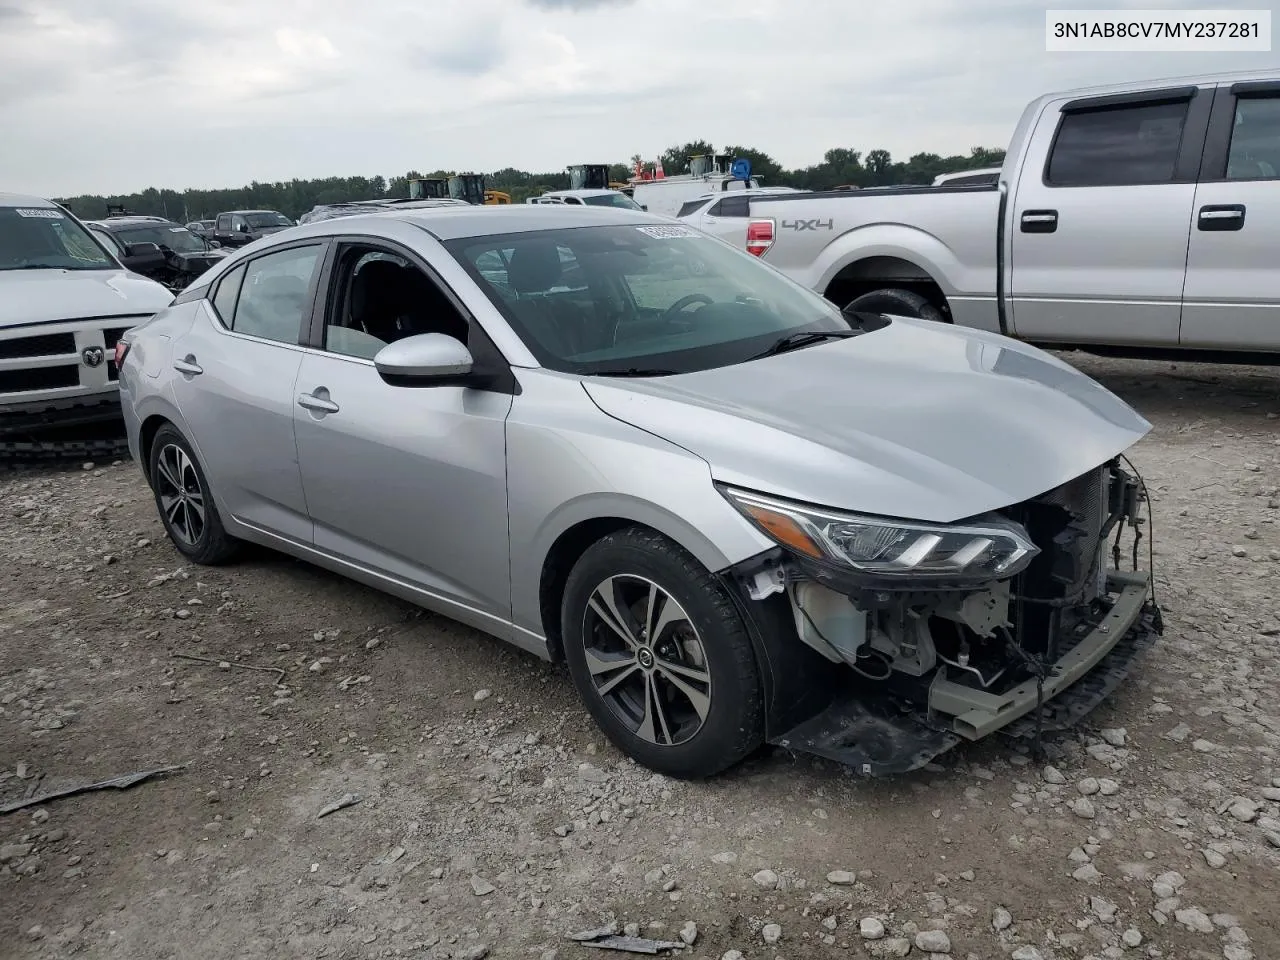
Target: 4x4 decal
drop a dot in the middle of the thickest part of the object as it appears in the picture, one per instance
(808, 225)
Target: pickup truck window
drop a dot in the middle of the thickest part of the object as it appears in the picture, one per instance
(732, 207)
(1117, 146)
(1255, 140)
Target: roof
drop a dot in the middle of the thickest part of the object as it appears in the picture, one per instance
(452, 223)
(1201, 79)
(225, 212)
(125, 222)
(592, 192)
(21, 200)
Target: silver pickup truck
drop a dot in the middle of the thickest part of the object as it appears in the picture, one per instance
(1136, 220)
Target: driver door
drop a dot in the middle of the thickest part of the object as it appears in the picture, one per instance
(406, 484)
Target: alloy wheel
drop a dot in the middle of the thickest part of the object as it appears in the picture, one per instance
(181, 497)
(646, 659)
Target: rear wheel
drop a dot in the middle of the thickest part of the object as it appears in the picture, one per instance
(897, 302)
(660, 656)
(186, 506)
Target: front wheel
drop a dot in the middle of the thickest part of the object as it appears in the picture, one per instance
(660, 656)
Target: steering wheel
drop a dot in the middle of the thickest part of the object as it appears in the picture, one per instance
(685, 301)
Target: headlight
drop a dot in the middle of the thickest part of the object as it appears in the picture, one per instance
(988, 548)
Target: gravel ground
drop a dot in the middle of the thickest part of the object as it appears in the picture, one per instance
(493, 819)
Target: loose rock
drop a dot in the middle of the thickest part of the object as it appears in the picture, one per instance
(771, 933)
(933, 941)
(870, 928)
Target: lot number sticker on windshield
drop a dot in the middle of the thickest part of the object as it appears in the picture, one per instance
(667, 233)
(39, 213)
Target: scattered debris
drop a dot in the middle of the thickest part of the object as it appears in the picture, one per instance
(607, 938)
(344, 801)
(116, 783)
(223, 663)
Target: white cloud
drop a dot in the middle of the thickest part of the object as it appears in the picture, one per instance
(98, 97)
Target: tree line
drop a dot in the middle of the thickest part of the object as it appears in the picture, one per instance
(840, 166)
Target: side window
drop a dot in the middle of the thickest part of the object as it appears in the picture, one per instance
(238, 223)
(732, 207)
(224, 300)
(273, 297)
(1255, 140)
(379, 297)
(108, 241)
(1117, 146)
(223, 224)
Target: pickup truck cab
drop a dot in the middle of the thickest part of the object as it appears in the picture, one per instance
(235, 228)
(1135, 219)
(725, 215)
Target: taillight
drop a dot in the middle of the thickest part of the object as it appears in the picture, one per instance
(759, 237)
(122, 349)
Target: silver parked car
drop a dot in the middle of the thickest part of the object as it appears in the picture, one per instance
(737, 513)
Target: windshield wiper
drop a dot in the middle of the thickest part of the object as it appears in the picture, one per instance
(633, 372)
(804, 338)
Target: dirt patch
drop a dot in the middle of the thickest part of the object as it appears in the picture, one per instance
(498, 822)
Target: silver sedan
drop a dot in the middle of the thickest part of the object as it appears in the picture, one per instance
(738, 514)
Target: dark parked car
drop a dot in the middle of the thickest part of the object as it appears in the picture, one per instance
(202, 228)
(160, 249)
(235, 228)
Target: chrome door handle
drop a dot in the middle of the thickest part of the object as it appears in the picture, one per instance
(312, 402)
(188, 365)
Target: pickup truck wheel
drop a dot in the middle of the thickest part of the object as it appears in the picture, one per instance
(903, 303)
(660, 656)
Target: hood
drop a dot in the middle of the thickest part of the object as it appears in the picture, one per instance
(914, 420)
(37, 296)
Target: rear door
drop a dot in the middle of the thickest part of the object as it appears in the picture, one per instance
(1232, 295)
(235, 373)
(1101, 215)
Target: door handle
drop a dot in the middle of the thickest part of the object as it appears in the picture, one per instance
(1039, 221)
(319, 404)
(188, 365)
(1221, 216)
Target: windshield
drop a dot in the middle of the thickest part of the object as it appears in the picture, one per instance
(35, 238)
(612, 200)
(650, 298)
(269, 219)
(164, 236)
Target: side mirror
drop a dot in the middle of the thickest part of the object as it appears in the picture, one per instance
(645, 207)
(143, 249)
(425, 360)
(215, 244)
(140, 257)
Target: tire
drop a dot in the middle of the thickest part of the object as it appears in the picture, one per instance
(898, 302)
(697, 727)
(200, 538)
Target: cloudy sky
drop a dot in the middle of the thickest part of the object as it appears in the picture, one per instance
(116, 95)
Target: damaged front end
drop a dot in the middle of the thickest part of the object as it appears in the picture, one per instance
(922, 636)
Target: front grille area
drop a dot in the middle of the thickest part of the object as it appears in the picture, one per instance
(39, 378)
(41, 345)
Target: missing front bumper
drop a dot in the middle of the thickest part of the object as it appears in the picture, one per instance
(879, 735)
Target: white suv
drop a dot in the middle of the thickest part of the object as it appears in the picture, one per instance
(64, 302)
